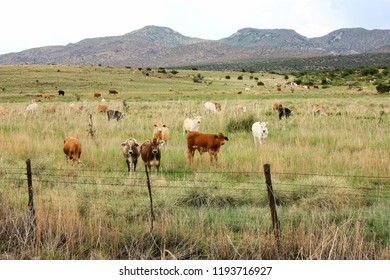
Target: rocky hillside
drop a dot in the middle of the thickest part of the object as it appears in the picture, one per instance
(154, 46)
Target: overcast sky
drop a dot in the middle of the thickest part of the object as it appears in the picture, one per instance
(27, 24)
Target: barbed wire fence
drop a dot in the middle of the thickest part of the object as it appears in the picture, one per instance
(250, 182)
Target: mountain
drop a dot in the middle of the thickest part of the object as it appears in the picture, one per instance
(155, 46)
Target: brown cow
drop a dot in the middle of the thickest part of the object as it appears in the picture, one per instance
(202, 142)
(161, 132)
(318, 110)
(97, 95)
(150, 153)
(72, 149)
(102, 108)
(218, 106)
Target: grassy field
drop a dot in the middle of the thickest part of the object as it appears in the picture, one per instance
(330, 174)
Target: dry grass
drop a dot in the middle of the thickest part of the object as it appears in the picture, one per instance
(96, 211)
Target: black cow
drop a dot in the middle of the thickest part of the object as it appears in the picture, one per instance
(111, 114)
(61, 92)
(284, 111)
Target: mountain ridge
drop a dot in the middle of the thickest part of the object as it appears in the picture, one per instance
(158, 46)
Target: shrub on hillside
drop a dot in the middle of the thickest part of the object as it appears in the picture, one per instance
(383, 88)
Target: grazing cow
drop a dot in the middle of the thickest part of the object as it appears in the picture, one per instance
(2, 111)
(102, 108)
(161, 132)
(240, 109)
(150, 153)
(212, 107)
(32, 108)
(202, 142)
(76, 107)
(260, 132)
(318, 110)
(61, 92)
(284, 111)
(191, 124)
(51, 109)
(276, 106)
(113, 114)
(72, 149)
(46, 96)
(112, 91)
(316, 87)
(131, 152)
(97, 95)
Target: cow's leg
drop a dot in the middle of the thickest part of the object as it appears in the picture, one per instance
(128, 165)
(135, 164)
(190, 155)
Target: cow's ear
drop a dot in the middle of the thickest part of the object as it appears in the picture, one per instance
(161, 142)
(124, 144)
(226, 138)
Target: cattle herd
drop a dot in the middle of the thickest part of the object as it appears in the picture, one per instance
(150, 150)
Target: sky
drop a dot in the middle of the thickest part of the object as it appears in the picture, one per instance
(26, 24)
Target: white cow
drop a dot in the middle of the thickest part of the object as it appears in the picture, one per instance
(260, 132)
(191, 124)
(32, 108)
(212, 107)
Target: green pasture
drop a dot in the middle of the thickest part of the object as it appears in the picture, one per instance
(330, 174)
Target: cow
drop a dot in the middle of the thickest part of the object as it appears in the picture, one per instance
(113, 114)
(316, 87)
(112, 91)
(161, 132)
(2, 111)
(240, 109)
(131, 151)
(259, 132)
(76, 107)
(276, 106)
(97, 95)
(202, 142)
(212, 107)
(51, 109)
(191, 124)
(151, 154)
(102, 108)
(32, 108)
(46, 96)
(284, 111)
(72, 149)
(318, 110)
(61, 92)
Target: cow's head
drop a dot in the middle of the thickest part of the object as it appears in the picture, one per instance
(159, 127)
(155, 146)
(131, 146)
(221, 138)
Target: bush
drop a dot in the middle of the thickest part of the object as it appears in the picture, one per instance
(260, 83)
(383, 88)
(241, 124)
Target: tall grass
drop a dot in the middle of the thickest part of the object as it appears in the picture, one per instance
(329, 173)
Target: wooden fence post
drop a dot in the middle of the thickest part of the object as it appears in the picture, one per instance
(30, 193)
(272, 204)
(150, 197)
